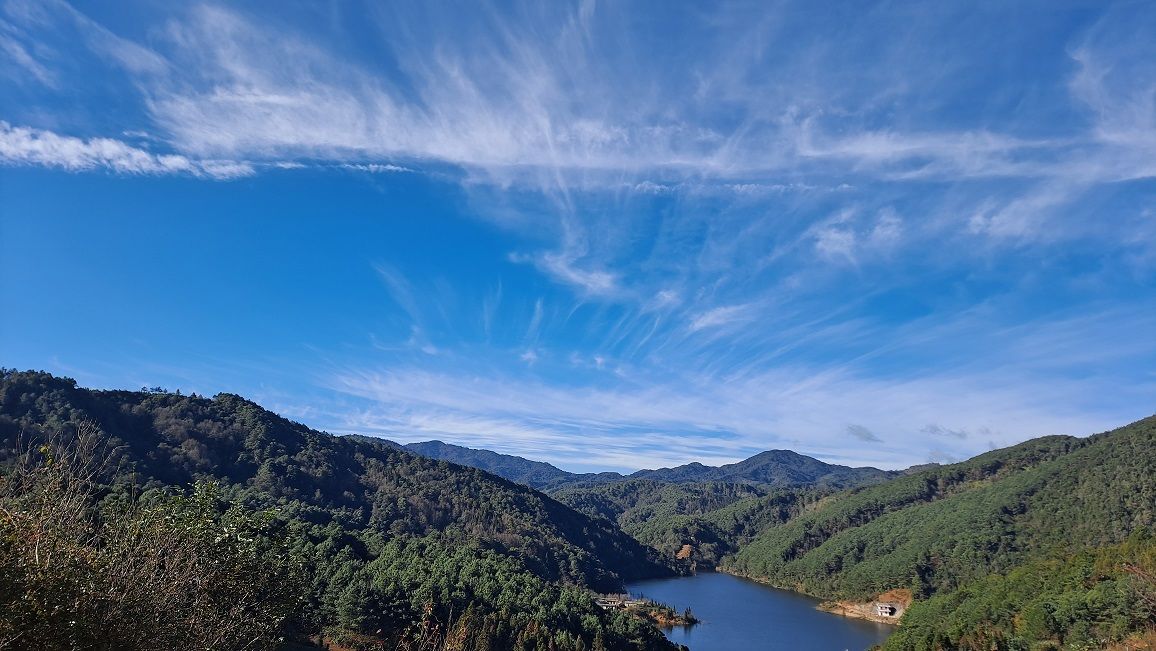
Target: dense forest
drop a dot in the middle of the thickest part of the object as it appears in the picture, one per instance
(941, 528)
(637, 501)
(1081, 600)
(775, 469)
(1043, 543)
(956, 534)
(696, 522)
(214, 523)
(385, 545)
(705, 539)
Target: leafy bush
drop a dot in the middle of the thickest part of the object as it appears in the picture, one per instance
(168, 572)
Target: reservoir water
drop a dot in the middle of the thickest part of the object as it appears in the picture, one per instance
(737, 614)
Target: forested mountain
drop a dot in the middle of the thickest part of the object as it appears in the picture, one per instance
(1042, 543)
(536, 474)
(702, 513)
(772, 469)
(697, 523)
(705, 539)
(363, 517)
(636, 501)
(951, 528)
(1079, 600)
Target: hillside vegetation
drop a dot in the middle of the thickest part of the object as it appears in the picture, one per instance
(947, 533)
(636, 501)
(1082, 600)
(700, 522)
(388, 544)
(163, 572)
(773, 469)
(943, 527)
(710, 537)
(277, 531)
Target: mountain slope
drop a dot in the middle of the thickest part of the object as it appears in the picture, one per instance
(945, 527)
(704, 539)
(773, 468)
(697, 522)
(362, 517)
(174, 440)
(633, 502)
(1077, 601)
(535, 474)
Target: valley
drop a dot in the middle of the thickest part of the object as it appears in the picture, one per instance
(389, 543)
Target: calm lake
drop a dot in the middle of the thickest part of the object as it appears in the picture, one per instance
(738, 614)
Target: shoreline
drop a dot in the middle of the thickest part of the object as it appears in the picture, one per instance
(853, 610)
(841, 607)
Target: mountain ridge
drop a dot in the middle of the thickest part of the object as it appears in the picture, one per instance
(770, 468)
(1054, 523)
(774, 468)
(385, 540)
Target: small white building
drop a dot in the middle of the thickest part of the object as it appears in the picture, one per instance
(612, 600)
(886, 609)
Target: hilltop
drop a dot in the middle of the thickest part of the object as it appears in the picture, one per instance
(363, 518)
(1047, 542)
(1001, 518)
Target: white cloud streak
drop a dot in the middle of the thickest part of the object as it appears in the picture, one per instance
(25, 146)
(724, 212)
(1006, 385)
(723, 422)
(722, 316)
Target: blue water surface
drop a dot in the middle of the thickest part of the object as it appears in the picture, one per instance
(737, 614)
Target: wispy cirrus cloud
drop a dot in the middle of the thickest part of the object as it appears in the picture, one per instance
(565, 267)
(25, 146)
(672, 418)
(535, 99)
(18, 54)
(722, 316)
(786, 227)
(374, 168)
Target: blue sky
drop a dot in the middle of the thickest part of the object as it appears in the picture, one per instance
(605, 235)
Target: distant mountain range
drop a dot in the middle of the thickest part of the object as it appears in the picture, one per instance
(773, 469)
(1045, 544)
(535, 474)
